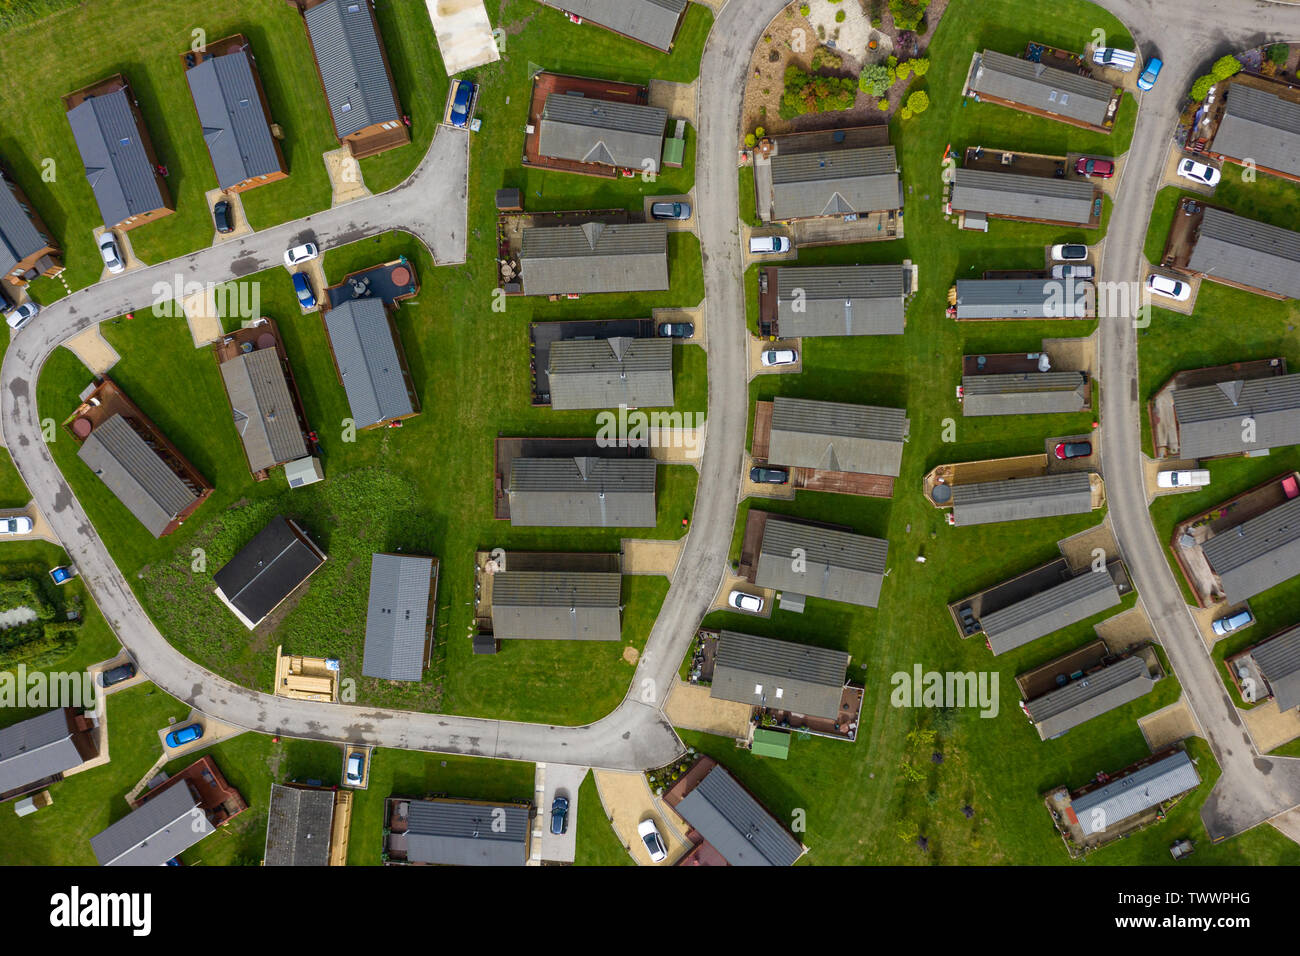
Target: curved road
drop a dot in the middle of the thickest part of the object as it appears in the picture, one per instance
(636, 735)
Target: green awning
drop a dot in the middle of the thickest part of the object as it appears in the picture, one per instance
(771, 743)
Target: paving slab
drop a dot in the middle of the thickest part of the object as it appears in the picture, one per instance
(627, 800)
(200, 310)
(692, 706)
(647, 556)
(552, 780)
(1168, 725)
(93, 350)
(345, 176)
(1270, 727)
(464, 34)
(679, 99)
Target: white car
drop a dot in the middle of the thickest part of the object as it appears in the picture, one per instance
(1069, 252)
(19, 525)
(745, 602)
(654, 843)
(300, 254)
(774, 357)
(109, 252)
(1201, 173)
(761, 244)
(18, 317)
(1169, 288)
(1183, 479)
(356, 768)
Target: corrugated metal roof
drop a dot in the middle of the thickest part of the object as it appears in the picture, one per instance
(135, 474)
(1259, 126)
(263, 409)
(737, 825)
(267, 569)
(1250, 253)
(835, 182)
(299, 826)
(397, 616)
(1051, 609)
(1041, 87)
(595, 257)
(368, 362)
(1015, 499)
(606, 373)
(152, 834)
(1022, 299)
(1257, 554)
(557, 605)
(1278, 659)
(582, 492)
(346, 43)
(1022, 197)
(765, 672)
(235, 126)
(1079, 701)
(589, 130)
(36, 748)
(1212, 418)
(841, 300)
(19, 238)
(1023, 393)
(1141, 790)
(466, 834)
(821, 562)
(833, 436)
(653, 22)
(114, 157)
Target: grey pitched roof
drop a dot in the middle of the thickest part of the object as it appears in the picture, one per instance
(1038, 615)
(833, 436)
(582, 492)
(235, 127)
(464, 834)
(1023, 393)
(1079, 701)
(1211, 417)
(18, 237)
(1257, 554)
(1021, 299)
(114, 157)
(1250, 253)
(153, 833)
(795, 677)
(589, 130)
(1259, 126)
(1041, 87)
(595, 257)
(298, 826)
(34, 749)
(368, 362)
(397, 616)
(840, 300)
(1015, 499)
(1141, 790)
(653, 22)
(1022, 197)
(606, 373)
(267, 569)
(351, 61)
(135, 474)
(1278, 659)
(835, 182)
(737, 825)
(821, 562)
(264, 413)
(557, 605)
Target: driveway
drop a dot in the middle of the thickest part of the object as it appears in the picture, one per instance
(565, 780)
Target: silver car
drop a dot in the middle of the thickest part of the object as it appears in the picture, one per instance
(109, 252)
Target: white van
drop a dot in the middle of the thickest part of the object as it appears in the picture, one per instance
(1183, 479)
(1122, 60)
(761, 244)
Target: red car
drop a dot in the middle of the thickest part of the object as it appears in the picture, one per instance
(1096, 168)
(1073, 449)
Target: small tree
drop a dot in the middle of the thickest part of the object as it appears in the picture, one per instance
(1201, 88)
(921, 65)
(1224, 67)
(903, 70)
(760, 132)
(1278, 53)
(874, 80)
(750, 141)
(918, 101)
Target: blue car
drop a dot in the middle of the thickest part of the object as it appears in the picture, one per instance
(460, 105)
(560, 815)
(179, 738)
(303, 287)
(1149, 75)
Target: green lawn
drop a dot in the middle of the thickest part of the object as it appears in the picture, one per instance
(597, 843)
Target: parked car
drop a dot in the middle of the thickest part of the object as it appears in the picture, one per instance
(1183, 479)
(1169, 288)
(1233, 622)
(224, 215)
(300, 254)
(762, 244)
(302, 286)
(670, 210)
(108, 251)
(1069, 252)
(19, 524)
(1202, 173)
(18, 317)
(762, 475)
(654, 843)
(1149, 76)
(1072, 272)
(179, 738)
(1096, 168)
(560, 815)
(1073, 449)
(63, 574)
(774, 357)
(462, 101)
(356, 767)
(676, 330)
(1116, 59)
(118, 674)
(745, 602)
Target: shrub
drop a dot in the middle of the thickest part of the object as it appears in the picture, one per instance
(1278, 54)
(1201, 88)
(839, 15)
(919, 101)
(804, 9)
(903, 70)
(824, 58)
(1224, 67)
(921, 65)
(882, 105)
(905, 113)
(908, 14)
(760, 132)
(810, 93)
(750, 141)
(875, 80)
